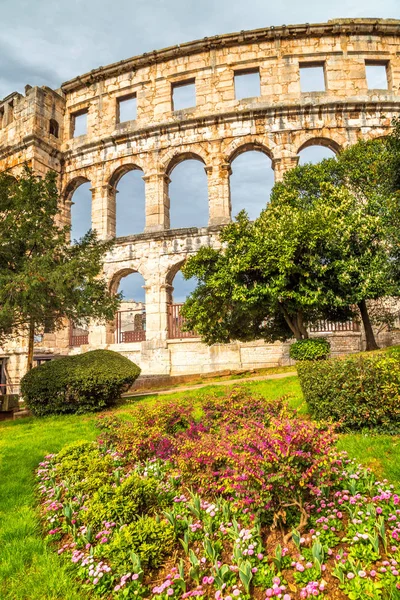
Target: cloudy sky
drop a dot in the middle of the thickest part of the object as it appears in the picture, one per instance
(46, 42)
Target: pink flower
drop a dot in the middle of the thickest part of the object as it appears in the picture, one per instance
(170, 592)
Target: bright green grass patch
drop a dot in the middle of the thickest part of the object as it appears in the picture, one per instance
(379, 452)
(29, 568)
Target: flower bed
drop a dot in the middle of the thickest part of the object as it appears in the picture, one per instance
(239, 500)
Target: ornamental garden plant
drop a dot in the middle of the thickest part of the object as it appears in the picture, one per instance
(239, 498)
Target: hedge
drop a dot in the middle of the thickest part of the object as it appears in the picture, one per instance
(310, 349)
(359, 391)
(75, 384)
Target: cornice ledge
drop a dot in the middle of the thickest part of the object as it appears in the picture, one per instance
(333, 27)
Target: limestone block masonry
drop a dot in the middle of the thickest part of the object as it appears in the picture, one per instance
(38, 128)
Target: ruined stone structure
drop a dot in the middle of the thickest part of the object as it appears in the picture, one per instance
(40, 128)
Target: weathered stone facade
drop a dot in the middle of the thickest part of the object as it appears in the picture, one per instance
(38, 128)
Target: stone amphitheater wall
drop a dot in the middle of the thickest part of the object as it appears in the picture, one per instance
(38, 128)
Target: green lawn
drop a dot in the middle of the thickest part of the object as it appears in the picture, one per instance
(29, 569)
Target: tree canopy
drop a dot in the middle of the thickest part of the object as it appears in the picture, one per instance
(44, 279)
(325, 244)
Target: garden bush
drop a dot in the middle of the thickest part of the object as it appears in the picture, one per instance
(252, 502)
(151, 539)
(356, 392)
(310, 349)
(125, 503)
(76, 384)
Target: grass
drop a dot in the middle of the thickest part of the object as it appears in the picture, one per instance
(29, 568)
(210, 379)
(379, 452)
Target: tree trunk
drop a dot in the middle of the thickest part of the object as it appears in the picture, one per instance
(291, 324)
(301, 327)
(31, 339)
(369, 333)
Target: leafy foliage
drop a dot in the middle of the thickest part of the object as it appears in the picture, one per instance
(311, 349)
(151, 539)
(124, 504)
(75, 384)
(45, 280)
(357, 392)
(323, 246)
(295, 519)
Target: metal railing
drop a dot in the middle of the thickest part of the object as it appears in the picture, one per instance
(77, 336)
(327, 326)
(176, 323)
(130, 326)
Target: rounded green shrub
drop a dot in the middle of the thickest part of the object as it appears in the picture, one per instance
(310, 349)
(360, 391)
(124, 503)
(148, 537)
(76, 384)
(84, 464)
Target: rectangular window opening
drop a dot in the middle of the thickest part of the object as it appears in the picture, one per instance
(126, 108)
(247, 84)
(184, 94)
(1, 117)
(377, 75)
(312, 77)
(10, 112)
(79, 123)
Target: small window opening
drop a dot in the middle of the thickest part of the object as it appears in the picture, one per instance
(312, 77)
(10, 112)
(79, 123)
(247, 84)
(126, 109)
(184, 94)
(377, 75)
(53, 128)
(1, 117)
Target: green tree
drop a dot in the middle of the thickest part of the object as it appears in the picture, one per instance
(271, 279)
(325, 244)
(44, 280)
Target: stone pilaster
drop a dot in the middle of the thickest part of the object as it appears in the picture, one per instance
(157, 202)
(219, 196)
(282, 164)
(104, 211)
(158, 297)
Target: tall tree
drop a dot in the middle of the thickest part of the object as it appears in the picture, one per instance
(44, 280)
(325, 244)
(361, 245)
(271, 278)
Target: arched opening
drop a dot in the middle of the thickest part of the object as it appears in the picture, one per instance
(251, 181)
(130, 201)
(80, 194)
(315, 150)
(130, 323)
(178, 290)
(54, 128)
(188, 193)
